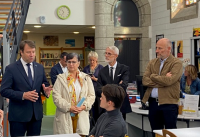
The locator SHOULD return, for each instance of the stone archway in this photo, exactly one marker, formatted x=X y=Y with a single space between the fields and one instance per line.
x=105 y=31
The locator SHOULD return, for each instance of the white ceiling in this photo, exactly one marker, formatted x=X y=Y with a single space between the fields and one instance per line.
x=60 y=29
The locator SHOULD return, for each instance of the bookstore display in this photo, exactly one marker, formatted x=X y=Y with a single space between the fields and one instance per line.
x=49 y=57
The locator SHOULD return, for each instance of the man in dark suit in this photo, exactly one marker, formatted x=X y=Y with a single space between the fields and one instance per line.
x=59 y=68
x=117 y=73
x=22 y=83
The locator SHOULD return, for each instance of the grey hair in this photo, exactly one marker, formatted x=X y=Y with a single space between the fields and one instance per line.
x=92 y=54
x=115 y=49
x=72 y=55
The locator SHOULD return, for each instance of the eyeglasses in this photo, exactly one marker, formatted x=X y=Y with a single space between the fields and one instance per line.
x=73 y=62
x=109 y=54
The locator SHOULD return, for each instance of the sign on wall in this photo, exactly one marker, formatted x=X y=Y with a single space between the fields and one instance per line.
x=50 y=40
x=159 y=37
x=196 y=32
x=89 y=43
x=180 y=49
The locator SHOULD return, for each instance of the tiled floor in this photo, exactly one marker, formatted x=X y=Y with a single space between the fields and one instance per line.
x=47 y=125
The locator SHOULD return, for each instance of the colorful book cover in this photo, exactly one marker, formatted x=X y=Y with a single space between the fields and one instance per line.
x=199 y=64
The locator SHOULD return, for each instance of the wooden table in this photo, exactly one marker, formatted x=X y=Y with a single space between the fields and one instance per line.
x=60 y=135
x=181 y=132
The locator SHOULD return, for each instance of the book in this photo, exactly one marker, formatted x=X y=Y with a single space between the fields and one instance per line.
x=78 y=105
x=199 y=64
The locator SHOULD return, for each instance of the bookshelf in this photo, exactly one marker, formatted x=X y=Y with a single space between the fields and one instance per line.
x=48 y=57
x=195 y=52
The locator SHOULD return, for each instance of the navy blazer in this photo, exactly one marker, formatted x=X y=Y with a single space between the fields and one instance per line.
x=121 y=73
x=14 y=83
x=55 y=70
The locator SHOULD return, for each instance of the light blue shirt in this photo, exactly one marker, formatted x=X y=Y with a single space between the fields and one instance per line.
x=154 y=93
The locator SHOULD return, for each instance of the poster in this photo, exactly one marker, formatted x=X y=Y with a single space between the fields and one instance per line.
x=50 y=40
x=173 y=48
x=89 y=43
x=70 y=42
x=159 y=37
x=180 y=49
x=196 y=32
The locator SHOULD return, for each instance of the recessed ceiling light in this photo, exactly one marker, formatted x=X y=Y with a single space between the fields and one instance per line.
x=37 y=26
x=93 y=27
x=76 y=32
x=26 y=31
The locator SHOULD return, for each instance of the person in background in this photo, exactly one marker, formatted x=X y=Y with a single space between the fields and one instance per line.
x=22 y=83
x=1 y=126
x=114 y=73
x=162 y=77
x=190 y=83
x=59 y=68
x=93 y=70
x=111 y=123
x=69 y=88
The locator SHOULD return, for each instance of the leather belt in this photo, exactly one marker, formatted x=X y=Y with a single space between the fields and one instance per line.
x=153 y=99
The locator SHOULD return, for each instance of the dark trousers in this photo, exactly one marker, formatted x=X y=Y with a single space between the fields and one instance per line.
x=31 y=128
x=162 y=116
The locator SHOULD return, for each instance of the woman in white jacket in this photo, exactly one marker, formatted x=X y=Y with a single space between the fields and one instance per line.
x=68 y=90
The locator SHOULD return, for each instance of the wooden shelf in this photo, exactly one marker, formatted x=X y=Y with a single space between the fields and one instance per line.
x=48 y=67
x=49 y=58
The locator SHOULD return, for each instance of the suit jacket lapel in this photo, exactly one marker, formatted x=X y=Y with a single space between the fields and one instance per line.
x=107 y=73
x=59 y=68
x=35 y=74
x=22 y=71
x=117 y=71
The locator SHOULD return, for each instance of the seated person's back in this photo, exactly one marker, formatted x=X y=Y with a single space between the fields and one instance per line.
x=111 y=123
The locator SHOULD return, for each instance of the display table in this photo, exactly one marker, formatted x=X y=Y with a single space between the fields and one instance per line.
x=181 y=132
x=138 y=122
x=60 y=135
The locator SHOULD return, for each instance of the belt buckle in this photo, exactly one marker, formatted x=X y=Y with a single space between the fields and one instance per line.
x=156 y=99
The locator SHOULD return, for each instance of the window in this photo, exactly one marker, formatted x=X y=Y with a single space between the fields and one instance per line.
x=182 y=10
x=190 y=2
x=126 y=14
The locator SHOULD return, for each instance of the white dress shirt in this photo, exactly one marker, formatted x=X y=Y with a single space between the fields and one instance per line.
x=64 y=69
x=77 y=87
x=154 y=93
x=26 y=67
x=114 y=68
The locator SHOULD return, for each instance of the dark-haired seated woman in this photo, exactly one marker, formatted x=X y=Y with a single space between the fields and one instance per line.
x=190 y=83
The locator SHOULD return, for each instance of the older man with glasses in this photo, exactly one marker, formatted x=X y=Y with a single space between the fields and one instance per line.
x=117 y=73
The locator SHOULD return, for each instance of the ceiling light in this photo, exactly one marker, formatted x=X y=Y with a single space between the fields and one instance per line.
x=93 y=27
x=37 y=26
x=76 y=32
x=26 y=31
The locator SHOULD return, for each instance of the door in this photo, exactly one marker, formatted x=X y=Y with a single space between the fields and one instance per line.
x=129 y=54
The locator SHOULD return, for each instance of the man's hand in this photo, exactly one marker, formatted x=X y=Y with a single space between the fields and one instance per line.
x=31 y=95
x=47 y=90
x=91 y=136
x=93 y=78
x=121 y=82
x=169 y=74
x=1 y=116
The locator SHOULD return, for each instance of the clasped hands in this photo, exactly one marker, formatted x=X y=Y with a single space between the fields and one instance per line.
x=76 y=110
x=33 y=95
